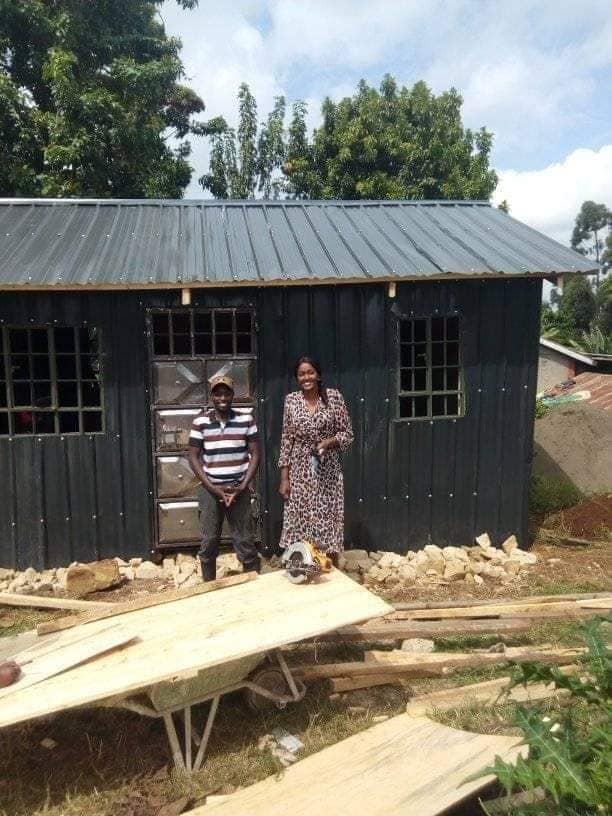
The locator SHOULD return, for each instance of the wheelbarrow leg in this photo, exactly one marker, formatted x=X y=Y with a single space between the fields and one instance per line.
x=206 y=735
x=187 y=715
x=287 y=675
x=177 y=754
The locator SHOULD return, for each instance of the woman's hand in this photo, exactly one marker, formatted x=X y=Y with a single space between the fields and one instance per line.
x=284 y=488
x=326 y=445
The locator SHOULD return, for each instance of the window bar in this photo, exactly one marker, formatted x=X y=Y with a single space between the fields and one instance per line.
x=53 y=375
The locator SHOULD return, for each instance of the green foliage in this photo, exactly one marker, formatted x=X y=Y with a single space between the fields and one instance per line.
x=541 y=409
x=606 y=258
x=89 y=97
x=576 y=306
x=393 y=143
x=571 y=758
x=242 y=163
x=594 y=341
x=591 y=219
x=603 y=300
x=547 y=495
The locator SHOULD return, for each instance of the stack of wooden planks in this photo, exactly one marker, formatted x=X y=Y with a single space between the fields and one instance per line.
x=461 y=618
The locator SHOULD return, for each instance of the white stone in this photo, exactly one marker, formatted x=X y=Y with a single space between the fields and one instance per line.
x=407 y=574
x=389 y=559
x=135 y=562
x=525 y=557
x=435 y=557
x=191 y=581
x=509 y=544
x=120 y=562
x=490 y=553
x=186 y=567
x=382 y=574
x=48 y=574
x=417 y=645
x=4 y=585
x=476 y=567
x=478 y=579
x=552 y=561
x=18 y=581
x=168 y=566
x=185 y=558
x=364 y=564
x=127 y=572
x=60 y=576
x=31 y=574
x=6 y=574
x=376 y=556
x=484 y=541
x=43 y=586
x=148 y=570
x=505 y=578
x=392 y=579
x=341 y=561
x=455 y=554
x=512 y=566
x=492 y=571
x=352 y=556
x=454 y=571
x=469 y=578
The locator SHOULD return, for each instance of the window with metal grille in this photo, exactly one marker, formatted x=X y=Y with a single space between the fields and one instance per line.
x=429 y=368
x=50 y=380
x=202 y=332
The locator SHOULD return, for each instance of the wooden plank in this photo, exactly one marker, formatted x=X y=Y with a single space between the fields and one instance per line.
x=513 y=610
x=58 y=660
x=596 y=604
x=340 y=684
x=144 y=603
x=401 y=630
x=431 y=665
x=43 y=602
x=532 y=599
x=198 y=633
x=404 y=765
x=486 y=693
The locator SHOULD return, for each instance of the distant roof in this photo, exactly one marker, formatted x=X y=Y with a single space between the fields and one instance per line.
x=587 y=359
x=112 y=243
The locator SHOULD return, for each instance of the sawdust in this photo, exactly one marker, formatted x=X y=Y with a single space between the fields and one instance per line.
x=573 y=443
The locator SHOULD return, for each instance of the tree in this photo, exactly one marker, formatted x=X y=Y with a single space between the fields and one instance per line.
x=241 y=163
x=576 y=306
x=591 y=219
x=391 y=143
x=504 y=206
x=90 y=100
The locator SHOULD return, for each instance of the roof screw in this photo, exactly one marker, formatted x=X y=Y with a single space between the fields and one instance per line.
x=13 y=523
x=362 y=399
x=429 y=495
x=384 y=498
x=94 y=516
x=406 y=497
x=42 y=521
x=67 y=518
x=360 y=501
x=387 y=399
x=475 y=493
x=451 y=495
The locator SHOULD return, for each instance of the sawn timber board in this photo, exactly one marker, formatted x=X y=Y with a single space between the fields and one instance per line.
x=407 y=766
x=186 y=636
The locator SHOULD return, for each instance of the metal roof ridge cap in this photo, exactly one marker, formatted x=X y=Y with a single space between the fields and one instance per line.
x=206 y=202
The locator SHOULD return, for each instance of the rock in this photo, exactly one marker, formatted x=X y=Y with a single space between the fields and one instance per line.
x=552 y=561
x=168 y=567
x=417 y=645
x=364 y=564
x=129 y=573
x=191 y=581
x=82 y=579
x=390 y=559
x=382 y=574
x=43 y=586
x=30 y=574
x=4 y=585
x=18 y=581
x=525 y=557
x=478 y=579
x=509 y=544
x=185 y=558
x=454 y=571
x=455 y=554
x=135 y=562
x=60 y=575
x=512 y=566
x=6 y=574
x=484 y=541
x=352 y=556
x=48 y=575
x=376 y=556
x=492 y=571
x=120 y=562
x=469 y=578
x=392 y=579
x=148 y=570
x=505 y=578
x=407 y=574
x=48 y=743
x=435 y=557
x=186 y=567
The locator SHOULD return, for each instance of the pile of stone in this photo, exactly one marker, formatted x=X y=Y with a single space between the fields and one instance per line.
x=438 y=565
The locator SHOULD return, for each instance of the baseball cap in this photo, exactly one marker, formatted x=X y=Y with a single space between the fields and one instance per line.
x=221 y=380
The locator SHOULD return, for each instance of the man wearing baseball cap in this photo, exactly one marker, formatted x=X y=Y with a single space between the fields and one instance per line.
x=224 y=455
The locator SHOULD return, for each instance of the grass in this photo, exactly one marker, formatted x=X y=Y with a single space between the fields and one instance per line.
x=547 y=495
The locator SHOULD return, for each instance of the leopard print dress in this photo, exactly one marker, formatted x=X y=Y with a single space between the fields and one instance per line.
x=315 y=509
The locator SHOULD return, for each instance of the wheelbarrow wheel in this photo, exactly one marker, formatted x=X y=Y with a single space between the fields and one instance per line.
x=272 y=680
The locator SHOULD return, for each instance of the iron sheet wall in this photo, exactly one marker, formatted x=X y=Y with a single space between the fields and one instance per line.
x=407 y=483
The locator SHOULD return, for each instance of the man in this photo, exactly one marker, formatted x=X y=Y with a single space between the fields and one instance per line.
x=224 y=455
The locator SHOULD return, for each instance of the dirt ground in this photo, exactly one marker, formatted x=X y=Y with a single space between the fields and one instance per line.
x=591 y=519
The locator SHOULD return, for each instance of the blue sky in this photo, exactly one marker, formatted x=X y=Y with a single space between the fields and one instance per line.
x=537 y=74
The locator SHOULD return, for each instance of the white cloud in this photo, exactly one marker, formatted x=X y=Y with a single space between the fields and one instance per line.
x=550 y=199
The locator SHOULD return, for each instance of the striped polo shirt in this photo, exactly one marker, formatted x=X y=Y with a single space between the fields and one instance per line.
x=224 y=447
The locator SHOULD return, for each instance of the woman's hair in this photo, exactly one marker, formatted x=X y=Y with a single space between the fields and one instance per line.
x=322 y=389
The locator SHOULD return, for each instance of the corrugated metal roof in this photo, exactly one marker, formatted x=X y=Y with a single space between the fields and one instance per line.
x=126 y=243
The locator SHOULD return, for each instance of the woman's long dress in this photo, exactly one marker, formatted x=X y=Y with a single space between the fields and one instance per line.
x=315 y=509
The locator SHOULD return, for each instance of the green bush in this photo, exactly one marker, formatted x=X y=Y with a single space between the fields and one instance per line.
x=548 y=495
x=570 y=751
x=541 y=409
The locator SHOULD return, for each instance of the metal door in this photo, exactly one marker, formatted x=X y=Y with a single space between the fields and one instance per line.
x=188 y=346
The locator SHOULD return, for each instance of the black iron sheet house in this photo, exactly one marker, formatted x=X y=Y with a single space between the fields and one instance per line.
x=114 y=315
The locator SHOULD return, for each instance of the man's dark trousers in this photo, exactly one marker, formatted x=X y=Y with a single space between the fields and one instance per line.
x=240 y=520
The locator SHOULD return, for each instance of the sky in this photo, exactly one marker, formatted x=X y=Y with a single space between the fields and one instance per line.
x=537 y=73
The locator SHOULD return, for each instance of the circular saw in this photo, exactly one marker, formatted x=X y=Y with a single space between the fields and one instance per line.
x=305 y=562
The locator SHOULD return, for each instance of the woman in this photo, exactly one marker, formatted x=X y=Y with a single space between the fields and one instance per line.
x=316 y=427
